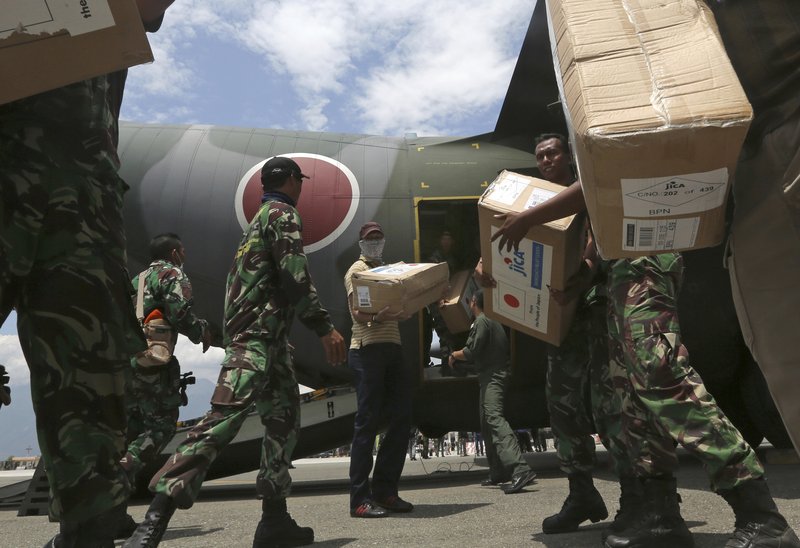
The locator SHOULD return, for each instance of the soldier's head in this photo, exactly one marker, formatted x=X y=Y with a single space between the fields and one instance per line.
x=371 y=240
x=284 y=175
x=167 y=247
x=446 y=241
x=553 y=157
x=476 y=302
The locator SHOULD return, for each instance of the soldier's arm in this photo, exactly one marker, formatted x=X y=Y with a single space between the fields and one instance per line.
x=178 y=304
x=477 y=341
x=292 y=263
x=516 y=225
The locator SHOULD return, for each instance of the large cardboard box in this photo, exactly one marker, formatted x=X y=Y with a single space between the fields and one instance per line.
x=455 y=310
x=547 y=257
x=45 y=44
x=657 y=118
x=400 y=286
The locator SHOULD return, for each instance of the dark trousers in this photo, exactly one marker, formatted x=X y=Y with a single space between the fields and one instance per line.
x=383 y=394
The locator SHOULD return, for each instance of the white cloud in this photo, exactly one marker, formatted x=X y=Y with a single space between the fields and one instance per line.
x=191 y=356
x=380 y=67
x=11 y=356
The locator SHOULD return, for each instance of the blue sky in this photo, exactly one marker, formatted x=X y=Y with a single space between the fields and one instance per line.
x=433 y=67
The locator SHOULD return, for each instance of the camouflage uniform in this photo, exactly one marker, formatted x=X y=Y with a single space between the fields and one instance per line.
x=268 y=283
x=581 y=395
x=154 y=392
x=667 y=399
x=62 y=265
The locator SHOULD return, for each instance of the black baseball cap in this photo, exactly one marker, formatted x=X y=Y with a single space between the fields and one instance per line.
x=279 y=167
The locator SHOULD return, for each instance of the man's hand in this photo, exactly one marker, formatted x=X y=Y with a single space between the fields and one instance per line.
x=334 y=347
x=483 y=279
x=514 y=228
x=385 y=316
x=5 y=391
x=206 y=339
x=576 y=285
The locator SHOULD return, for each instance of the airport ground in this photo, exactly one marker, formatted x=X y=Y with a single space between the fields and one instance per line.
x=452 y=509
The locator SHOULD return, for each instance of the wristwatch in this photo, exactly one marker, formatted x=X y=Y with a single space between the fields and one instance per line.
x=370 y=322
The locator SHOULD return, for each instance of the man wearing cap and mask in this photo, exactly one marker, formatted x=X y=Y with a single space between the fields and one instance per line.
x=268 y=283
x=383 y=390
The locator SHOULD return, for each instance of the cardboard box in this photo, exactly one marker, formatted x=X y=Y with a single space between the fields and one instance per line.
x=548 y=256
x=46 y=44
x=455 y=311
x=657 y=118
x=400 y=286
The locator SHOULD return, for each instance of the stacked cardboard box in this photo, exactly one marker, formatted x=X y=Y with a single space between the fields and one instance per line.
x=406 y=287
x=657 y=119
x=45 y=45
x=547 y=257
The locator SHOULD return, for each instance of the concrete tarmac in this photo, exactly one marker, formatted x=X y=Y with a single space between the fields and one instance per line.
x=452 y=509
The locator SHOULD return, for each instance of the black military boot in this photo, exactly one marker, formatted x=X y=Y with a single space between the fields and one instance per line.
x=660 y=525
x=631 y=505
x=148 y=534
x=96 y=532
x=278 y=529
x=583 y=502
x=758 y=522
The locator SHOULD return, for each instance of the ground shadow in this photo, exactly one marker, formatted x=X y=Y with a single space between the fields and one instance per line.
x=335 y=542
x=426 y=511
x=174 y=533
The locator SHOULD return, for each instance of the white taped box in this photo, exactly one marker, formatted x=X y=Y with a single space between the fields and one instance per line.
x=657 y=118
x=546 y=257
x=406 y=287
x=46 y=44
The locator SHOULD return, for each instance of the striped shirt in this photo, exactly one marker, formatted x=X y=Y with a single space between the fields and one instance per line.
x=377 y=332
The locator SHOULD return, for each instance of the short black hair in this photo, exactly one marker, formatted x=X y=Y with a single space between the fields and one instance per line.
x=161 y=246
x=546 y=136
x=478 y=296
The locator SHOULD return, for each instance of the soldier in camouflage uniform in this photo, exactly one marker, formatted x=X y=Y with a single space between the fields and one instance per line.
x=664 y=399
x=62 y=266
x=154 y=392
x=268 y=283
x=582 y=397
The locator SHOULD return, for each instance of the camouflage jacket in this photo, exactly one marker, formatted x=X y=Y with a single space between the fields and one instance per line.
x=167 y=288
x=269 y=281
x=73 y=127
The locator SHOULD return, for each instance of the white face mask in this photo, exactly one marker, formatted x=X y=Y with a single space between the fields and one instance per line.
x=372 y=249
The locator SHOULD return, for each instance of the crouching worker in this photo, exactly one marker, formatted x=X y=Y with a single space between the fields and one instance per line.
x=487 y=347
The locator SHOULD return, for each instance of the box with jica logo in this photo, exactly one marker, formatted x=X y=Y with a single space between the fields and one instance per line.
x=547 y=257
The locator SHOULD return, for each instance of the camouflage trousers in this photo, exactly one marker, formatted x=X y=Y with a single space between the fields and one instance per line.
x=154 y=402
x=62 y=266
x=262 y=378
x=582 y=397
x=667 y=400
x=502 y=448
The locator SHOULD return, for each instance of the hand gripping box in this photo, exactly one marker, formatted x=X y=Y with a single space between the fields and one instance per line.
x=46 y=44
x=455 y=310
x=548 y=256
x=400 y=286
x=657 y=118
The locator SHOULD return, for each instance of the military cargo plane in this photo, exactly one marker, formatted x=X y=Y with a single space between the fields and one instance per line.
x=203 y=183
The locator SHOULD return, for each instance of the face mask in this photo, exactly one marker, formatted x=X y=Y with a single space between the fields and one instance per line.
x=372 y=249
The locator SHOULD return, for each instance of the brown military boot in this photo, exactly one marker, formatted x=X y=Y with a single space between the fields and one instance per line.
x=583 y=503
x=631 y=505
x=660 y=525
x=758 y=522
x=278 y=529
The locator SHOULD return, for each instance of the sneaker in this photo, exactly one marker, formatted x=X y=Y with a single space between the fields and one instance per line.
x=368 y=509
x=394 y=503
